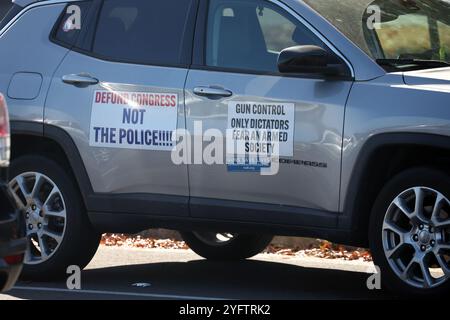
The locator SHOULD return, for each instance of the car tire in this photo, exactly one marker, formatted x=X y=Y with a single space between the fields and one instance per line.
x=61 y=215
x=226 y=246
x=407 y=236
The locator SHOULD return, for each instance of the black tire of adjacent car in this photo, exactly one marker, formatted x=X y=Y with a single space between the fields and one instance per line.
x=242 y=246
x=80 y=241
x=423 y=177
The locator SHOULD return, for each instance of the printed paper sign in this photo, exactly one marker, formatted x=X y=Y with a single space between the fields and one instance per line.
x=260 y=125
x=133 y=120
x=247 y=164
x=257 y=131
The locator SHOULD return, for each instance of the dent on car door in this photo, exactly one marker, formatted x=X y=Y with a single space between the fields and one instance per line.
x=243 y=40
x=121 y=100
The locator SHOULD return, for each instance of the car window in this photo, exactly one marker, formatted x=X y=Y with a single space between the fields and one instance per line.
x=444 y=37
x=68 y=27
x=147 y=32
x=277 y=30
x=393 y=39
x=5 y=6
x=8 y=10
x=249 y=34
x=414 y=36
x=392 y=29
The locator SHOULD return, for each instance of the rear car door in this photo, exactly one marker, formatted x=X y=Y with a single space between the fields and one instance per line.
x=233 y=78
x=119 y=95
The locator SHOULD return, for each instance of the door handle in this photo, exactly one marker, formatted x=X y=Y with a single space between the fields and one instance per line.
x=212 y=92
x=79 y=79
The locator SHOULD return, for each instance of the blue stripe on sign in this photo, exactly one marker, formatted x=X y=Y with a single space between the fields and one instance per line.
x=246 y=168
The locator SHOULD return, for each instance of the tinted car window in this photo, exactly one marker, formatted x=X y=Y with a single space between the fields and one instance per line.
x=5 y=5
x=70 y=25
x=8 y=10
x=249 y=34
x=147 y=32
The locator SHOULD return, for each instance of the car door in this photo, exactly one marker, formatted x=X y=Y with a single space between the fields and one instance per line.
x=236 y=69
x=119 y=95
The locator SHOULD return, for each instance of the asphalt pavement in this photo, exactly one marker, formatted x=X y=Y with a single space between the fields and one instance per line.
x=124 y=273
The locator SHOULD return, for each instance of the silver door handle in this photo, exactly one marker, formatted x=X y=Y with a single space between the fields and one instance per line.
x=79 y=79
x=212 y=92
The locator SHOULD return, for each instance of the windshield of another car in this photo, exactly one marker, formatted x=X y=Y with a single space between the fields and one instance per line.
x=393 y=30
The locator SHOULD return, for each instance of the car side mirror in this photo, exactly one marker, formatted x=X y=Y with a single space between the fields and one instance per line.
x=311 y=60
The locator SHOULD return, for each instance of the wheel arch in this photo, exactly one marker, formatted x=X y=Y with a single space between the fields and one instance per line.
x=31 y=137
x=382 y=157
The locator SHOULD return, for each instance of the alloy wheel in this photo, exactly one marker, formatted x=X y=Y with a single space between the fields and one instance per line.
x=43 y=204
x=416 y=237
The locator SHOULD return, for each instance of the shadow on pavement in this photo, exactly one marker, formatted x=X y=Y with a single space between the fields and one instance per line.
x=235 y=280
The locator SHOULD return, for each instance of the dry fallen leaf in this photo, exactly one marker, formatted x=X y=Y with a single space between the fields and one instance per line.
x=325 y=250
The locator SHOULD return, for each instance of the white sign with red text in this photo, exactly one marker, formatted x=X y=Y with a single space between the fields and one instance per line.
x=133 y=120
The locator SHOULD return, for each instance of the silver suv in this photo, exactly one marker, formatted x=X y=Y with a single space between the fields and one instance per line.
x=354 y=98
